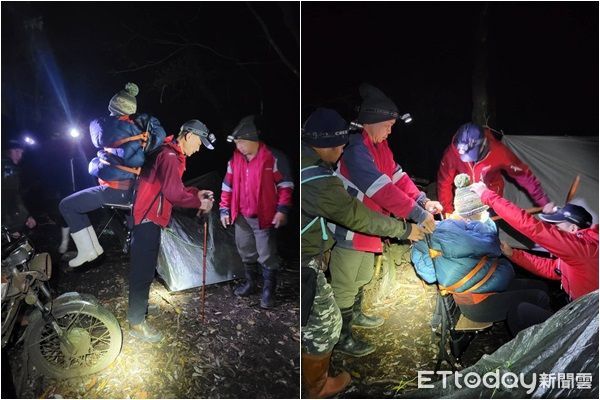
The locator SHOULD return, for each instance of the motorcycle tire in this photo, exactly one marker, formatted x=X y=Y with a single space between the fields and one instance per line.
x=94 y=334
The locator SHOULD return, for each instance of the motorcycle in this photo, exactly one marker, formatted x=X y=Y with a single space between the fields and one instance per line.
x=69 y=336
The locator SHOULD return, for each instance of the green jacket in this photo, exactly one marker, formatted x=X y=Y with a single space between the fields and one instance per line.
x=324 y=195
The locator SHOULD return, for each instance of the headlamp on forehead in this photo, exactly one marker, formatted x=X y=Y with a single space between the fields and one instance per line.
x=465 y=146
x=198 y=128
x=245 y=136
x=211 y=138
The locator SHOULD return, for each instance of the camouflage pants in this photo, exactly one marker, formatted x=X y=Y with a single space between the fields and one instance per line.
x=322 y=331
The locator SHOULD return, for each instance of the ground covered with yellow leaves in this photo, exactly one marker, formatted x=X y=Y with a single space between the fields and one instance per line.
x=405 y=343
x=237 y=351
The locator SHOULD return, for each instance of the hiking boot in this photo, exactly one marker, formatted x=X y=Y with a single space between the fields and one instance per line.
x=249 y=287
x=360 y=320
x=348 y=344
x=145 y=332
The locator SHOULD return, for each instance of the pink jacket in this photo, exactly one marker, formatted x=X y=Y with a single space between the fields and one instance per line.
x=272 y=191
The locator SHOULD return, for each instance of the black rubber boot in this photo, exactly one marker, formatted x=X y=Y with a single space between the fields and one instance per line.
x=269 y=287
x=361 y=320
x=249 y=287
x=348 y=344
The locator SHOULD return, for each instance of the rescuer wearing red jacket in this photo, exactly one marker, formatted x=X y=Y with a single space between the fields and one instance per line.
x=256 y=196
x=476 y=152
x=370 y=174
x=160 y=188
x=569 y=236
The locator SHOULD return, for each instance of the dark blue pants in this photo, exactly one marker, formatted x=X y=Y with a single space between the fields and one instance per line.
x=504 y=305
x=145 y=243
x=74 y=208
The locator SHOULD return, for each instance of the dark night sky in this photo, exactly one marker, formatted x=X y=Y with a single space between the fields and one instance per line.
x=543 y=74
x=225 y=70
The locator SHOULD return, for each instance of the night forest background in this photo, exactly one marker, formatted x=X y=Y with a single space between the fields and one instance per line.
x=524 y=68
x=216 y=62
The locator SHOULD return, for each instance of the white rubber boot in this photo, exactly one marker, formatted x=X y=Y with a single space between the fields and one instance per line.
x=95 y=242
x=64 y=244
x=85 y=248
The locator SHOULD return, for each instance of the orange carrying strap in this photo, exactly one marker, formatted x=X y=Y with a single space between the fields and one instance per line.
x=143 y=137
x=451 y=289
x=136 y=171
x=121 y=185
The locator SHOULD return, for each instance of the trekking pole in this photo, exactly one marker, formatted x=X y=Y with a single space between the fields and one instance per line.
x=204 y=251
x=204 y=218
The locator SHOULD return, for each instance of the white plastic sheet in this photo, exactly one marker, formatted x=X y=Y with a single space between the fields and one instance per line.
x=180 y=262
x=556 y=161
x=564 y=348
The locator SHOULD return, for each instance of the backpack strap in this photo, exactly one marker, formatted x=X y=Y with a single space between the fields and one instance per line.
x=143 y=137
x=452 y=288
x=136 y=171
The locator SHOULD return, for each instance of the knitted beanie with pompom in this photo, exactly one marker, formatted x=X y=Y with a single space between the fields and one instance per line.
x=124 y=102
x=466 y=202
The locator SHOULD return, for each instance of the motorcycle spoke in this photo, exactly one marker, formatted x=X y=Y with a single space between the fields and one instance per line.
x=90 y=341
x=43 y=339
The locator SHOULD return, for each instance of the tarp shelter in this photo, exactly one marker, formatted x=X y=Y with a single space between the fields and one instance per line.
x=181 y=249
x=556 y=161
x=560 y=356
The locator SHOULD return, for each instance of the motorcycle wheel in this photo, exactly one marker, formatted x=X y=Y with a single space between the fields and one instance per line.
x=92 y=330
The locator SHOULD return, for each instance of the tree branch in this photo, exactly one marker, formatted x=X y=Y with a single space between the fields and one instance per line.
x=272 y=42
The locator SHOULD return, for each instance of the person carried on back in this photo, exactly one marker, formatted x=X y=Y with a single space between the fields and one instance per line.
x=124 y=138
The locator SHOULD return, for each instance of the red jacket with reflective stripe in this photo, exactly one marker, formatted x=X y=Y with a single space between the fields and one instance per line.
x=577 y=253
x=489 y=170
x=370 y=173
x=160 y=187
x=268 y=180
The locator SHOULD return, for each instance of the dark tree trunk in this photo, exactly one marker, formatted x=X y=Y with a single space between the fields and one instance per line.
x=482 y=113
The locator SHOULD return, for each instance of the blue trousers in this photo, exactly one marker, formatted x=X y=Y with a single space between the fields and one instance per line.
x=145 y=243
x=75 y=207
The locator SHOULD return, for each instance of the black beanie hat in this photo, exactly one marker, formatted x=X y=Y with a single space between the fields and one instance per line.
x=13 y=143
x=376 y=106
x=325 y=128
x=245 y=130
